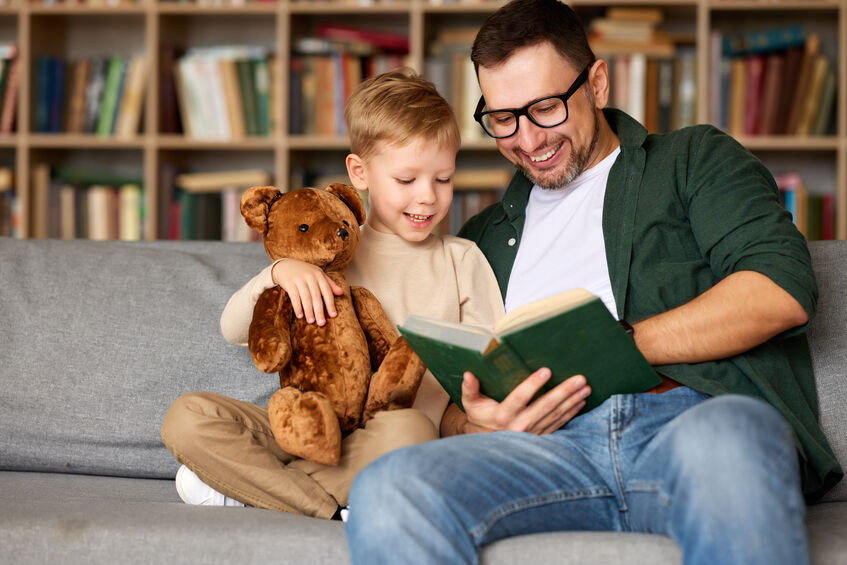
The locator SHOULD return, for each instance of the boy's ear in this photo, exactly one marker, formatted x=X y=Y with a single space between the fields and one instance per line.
x=356 y=171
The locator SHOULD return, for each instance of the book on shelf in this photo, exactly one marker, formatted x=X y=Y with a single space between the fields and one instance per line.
x=11 y=83
x=93 y=95
x=778 y=84
x=207 y=206
x=8 y=203
x=571 y=333
x=449 y=68
x=131 y=103
x=325 y=69
x=630 y=29
x=223 y=92
x=216 y=181
x=660 y=92
x=72 y=204
x=813 y=213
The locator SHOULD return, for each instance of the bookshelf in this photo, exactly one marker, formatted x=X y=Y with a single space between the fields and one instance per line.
x=156 y=153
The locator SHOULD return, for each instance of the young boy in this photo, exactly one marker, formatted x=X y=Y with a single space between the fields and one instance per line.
x=404 y=139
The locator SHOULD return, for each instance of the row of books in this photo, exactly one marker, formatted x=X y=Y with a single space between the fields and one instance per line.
x=661 y=93
x=451 y=71
x=226 y=92
x=97 y=95
x=772 y=82
x=66 y=205
x=9 y=86
x=813 y=213
x=327 y=67
x=206 y=206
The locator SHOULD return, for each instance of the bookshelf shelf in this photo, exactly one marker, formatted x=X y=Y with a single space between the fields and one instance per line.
x=181 y=142
x=785 y=142
x=164 y=31
x=78 y=141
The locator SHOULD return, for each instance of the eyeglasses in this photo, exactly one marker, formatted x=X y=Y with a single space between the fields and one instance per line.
x=546 y=112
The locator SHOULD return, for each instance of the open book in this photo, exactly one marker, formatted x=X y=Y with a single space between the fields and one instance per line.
x=572 y=333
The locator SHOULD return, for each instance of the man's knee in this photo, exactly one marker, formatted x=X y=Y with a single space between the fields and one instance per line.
x=733 y=436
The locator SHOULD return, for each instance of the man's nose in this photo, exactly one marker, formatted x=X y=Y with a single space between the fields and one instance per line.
x=529 y=135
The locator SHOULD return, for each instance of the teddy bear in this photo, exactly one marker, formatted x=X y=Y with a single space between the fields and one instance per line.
x=333 y=378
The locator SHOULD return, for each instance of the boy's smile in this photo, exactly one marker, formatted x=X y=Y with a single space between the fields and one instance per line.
x=410 y=186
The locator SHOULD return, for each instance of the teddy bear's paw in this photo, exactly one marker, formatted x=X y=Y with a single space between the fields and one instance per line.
x=396 y=383
x=304 y=424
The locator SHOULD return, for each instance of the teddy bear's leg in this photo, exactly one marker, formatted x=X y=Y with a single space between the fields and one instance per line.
x=269 y=337
x=304 y=424
x=396 y=382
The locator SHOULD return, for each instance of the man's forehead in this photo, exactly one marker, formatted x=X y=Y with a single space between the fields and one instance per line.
x=529 y=74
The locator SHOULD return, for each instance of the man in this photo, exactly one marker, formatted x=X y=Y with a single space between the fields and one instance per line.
x=683 y=236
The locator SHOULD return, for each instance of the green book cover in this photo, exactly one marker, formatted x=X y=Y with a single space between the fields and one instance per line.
x=247 y=86
x=262 y=84
x=111 y=93
x=572 y=333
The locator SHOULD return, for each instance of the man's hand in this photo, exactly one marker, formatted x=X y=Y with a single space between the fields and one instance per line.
x=308 y=288
x=546 y=414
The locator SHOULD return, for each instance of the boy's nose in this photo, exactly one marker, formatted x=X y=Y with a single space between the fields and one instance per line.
x=427 y=194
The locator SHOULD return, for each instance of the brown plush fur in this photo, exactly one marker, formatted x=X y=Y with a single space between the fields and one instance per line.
x=327 y=389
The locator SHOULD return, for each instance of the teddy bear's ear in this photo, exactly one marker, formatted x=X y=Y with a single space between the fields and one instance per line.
x=256 y=205
x=350 y=197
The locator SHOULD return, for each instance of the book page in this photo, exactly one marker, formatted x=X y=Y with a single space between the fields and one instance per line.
x=462 y=335
x=531 y=313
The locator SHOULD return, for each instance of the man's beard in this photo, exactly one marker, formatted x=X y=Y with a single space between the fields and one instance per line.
x=579 y=160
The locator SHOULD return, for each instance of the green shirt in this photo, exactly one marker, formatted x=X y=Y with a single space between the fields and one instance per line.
x=682 y=211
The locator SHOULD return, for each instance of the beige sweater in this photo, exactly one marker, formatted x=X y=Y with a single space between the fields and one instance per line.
x=441 y=277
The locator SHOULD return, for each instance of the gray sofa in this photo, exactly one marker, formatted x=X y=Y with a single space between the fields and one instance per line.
x=97 y=339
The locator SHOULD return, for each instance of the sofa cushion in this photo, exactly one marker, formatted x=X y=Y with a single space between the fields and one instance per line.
x=828 y=343
x=99 y=338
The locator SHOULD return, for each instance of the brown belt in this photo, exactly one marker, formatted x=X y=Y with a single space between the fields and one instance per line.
x=664 y=386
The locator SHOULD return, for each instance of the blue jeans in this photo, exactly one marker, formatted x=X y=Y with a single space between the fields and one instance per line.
x=718 y=475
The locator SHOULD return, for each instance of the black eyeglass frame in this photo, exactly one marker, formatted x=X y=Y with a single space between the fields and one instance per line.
x=524 y=111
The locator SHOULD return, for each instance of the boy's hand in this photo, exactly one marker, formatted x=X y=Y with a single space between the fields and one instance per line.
x=308 y=288
x=546 y=414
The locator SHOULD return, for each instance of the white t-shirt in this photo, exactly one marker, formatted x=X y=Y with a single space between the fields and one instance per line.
x=562 y=243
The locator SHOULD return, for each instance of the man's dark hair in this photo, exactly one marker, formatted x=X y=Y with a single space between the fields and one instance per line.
x=523 y=23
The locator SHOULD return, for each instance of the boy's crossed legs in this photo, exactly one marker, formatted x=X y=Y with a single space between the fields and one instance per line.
x=229 y=445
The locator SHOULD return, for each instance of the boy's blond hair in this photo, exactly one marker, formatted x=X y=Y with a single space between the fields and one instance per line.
x=397 y=107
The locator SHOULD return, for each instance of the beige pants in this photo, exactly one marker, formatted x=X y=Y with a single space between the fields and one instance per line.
x=228 y=443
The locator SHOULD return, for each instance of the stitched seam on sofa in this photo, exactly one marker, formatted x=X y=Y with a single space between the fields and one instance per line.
x=478 y=532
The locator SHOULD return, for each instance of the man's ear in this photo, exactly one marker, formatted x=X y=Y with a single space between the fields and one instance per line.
x=351 y=198
x=256 y=205
x=598 y=82
x=356 y=171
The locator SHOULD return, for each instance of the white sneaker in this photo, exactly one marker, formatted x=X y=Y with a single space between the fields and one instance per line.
x=344 y=513
x=194 y=491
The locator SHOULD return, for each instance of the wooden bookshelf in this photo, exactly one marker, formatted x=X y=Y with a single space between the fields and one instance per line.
x=74 y=30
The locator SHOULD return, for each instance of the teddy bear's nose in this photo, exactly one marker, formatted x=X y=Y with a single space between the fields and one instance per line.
x=342 y=233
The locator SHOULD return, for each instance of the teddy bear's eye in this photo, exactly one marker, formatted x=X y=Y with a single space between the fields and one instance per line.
x=304 y=227
x=346 y=223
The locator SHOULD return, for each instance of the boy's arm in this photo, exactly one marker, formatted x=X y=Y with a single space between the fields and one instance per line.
x=238 y=312
x=480 y=302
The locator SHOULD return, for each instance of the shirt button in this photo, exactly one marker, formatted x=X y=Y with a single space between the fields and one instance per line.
x=512 y=241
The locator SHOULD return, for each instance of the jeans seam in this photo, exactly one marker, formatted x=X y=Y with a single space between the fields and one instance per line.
x=479 y=531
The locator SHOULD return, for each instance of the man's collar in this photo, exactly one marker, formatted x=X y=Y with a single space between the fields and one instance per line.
x=629 y=131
